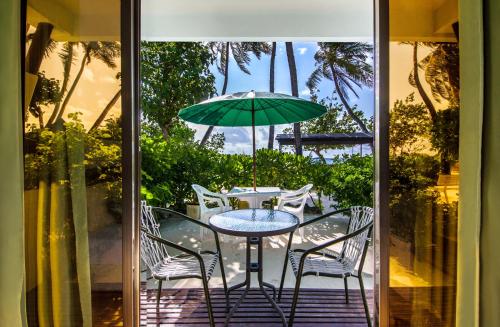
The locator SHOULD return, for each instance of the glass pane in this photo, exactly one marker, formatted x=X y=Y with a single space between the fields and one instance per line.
x=424 y=167
x=183 y=173
x=72 y=151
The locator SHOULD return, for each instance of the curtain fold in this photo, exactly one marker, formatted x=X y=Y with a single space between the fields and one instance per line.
x=63 y=276
x=490 y=220
x=478 y=293
x=471 y=107
x=12 y=274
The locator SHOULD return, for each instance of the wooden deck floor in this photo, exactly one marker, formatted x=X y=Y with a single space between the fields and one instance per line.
x=317 y=307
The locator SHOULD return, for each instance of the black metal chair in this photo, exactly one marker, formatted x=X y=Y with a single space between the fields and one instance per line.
x=188 y=264
x=321 y=261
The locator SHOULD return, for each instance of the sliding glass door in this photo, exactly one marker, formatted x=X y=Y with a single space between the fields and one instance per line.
x=424 y=171
x=73 y=135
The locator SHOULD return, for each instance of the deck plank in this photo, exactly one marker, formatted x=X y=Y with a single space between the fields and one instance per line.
x=317 y=307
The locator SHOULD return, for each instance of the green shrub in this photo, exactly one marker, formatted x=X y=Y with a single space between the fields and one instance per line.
x=170 y=168
x=412 y=196
x=351 y=181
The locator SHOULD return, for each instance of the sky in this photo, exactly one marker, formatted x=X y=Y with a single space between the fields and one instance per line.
x=238 y=139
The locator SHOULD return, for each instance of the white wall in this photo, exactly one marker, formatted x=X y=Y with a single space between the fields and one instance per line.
x=256 y=20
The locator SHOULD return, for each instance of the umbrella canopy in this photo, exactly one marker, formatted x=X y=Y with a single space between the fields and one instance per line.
x=252 y=109
x=236 y=110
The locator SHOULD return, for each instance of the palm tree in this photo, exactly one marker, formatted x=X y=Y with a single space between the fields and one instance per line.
x=414 y=80
x=345 y=64
x=295 y=92
x=240 y=52
x=107 y=52
x=67 y=56
x=270 y=142
x=441 y=68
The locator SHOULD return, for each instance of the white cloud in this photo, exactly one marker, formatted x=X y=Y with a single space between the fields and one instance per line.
x=302 y=51
x=88 y=74
x=305 y=92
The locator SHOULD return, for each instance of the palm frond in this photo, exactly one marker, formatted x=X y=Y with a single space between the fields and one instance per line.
x=314 y=79
x=51 y=46
x=240 y=56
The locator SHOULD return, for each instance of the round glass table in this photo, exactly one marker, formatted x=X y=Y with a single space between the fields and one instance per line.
x=254 y=224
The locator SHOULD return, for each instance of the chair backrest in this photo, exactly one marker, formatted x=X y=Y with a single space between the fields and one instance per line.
x=354 y=247
x=205 y=196
x=202 y=194
x=295 y=196
x=152 y=252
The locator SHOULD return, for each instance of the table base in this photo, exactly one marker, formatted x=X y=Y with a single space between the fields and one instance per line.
x=255 y=267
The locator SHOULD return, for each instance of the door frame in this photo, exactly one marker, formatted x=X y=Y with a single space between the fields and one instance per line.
x=131 y=168
x=131 y=38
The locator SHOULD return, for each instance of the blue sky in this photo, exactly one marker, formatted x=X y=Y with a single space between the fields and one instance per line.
x=238 y=140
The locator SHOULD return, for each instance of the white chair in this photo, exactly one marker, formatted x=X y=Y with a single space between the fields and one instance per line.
x=186 y=264
x=321 y=261
x=294 y=203
x=210 y=203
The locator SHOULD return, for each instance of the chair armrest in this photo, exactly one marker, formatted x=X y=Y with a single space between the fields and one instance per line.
x=293 y=198
x=315 y=220
x=221 y=199
x=338 y=240
x=215 y=195
x=197 y=222
x=183 y=216
x=171 y=244
x=326 y=215
x=316 y=249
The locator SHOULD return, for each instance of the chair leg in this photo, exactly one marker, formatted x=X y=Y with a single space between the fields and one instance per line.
x=283 y=274
x=294 y=300
x=209 y=303
x=301 y=230
x=221 y=264
x=158 y=294
x=365 y=303
x=346 y=289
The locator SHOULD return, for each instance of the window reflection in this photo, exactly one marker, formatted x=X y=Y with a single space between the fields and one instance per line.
x=424 y=174
x=72 y=149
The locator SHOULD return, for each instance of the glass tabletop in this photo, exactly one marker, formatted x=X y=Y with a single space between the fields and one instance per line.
x=254 y=222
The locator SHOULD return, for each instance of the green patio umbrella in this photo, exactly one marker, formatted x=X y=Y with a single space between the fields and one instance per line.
x=252 y=109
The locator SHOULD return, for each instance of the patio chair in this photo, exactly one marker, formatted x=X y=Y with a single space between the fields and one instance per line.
x=294 y=203
x=211 y=203
x=187 y=264
x=321 y=261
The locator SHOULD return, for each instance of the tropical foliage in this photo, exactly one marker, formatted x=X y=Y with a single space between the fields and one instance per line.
x=346 y=65
x=409 y=126
x=169 y=169
x=173 y=75
x=240 y=53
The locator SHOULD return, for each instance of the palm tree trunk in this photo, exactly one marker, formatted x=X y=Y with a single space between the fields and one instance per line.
x=421 y=91
x=67 y=73
x=295 y=92
x=270 y=142
x=106 y=110
x=39 y=43
x=226 y=69
x=224 y=89
x=348 y=108
x=75 y=83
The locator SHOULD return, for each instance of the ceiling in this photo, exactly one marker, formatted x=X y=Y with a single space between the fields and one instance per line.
x=313 y=20
x=257 y=19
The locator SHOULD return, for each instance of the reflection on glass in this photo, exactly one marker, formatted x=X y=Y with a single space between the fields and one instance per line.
x=424 y=172
x=73 y=166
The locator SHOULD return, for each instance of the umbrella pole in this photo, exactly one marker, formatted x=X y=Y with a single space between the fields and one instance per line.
x=253 y=140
